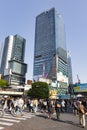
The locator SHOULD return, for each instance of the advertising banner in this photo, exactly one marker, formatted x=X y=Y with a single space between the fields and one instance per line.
x=80 y=87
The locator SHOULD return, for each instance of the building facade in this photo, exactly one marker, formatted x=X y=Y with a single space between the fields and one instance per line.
x=50 y=54
x=1 y=52
x=70 y=77
x=13 y=67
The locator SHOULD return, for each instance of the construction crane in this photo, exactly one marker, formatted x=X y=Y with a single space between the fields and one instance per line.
x=78 y=79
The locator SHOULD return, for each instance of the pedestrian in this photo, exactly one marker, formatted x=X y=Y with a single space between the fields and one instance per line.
x=63 y=105
x=19 y=103
x=50 y=109
x=28 y=104
x=31 y=106
x=44 y=105
x=57 y=108
x=35 y=103
x=82 y=111
x=75 y=107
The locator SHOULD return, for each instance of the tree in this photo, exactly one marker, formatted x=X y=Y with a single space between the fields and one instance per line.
x=3 y=84
x=39 y=90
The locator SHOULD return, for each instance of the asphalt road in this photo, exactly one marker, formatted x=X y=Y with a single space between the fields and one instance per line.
x=67 y=121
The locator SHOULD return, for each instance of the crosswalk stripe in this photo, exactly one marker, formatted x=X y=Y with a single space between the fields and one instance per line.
x=17 y=118
x=1 y=128
x=5 y=123
x=5 y=119
x=24 y=116
x=27 y=114
x=9 y=120
x=27 y=117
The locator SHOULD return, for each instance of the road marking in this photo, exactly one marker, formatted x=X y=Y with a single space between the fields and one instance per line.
x=17 y=118
x=5 y=119
x=5 y=123
x=9 y=120
x=27 y=117
x=1 y=128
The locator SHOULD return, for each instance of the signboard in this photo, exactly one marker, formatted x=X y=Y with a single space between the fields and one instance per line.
x=53 y=84
x=53 y=94
x=64 y=96
x=45 y=80
x=62 y=91
x=80 y=87
x=62 y=78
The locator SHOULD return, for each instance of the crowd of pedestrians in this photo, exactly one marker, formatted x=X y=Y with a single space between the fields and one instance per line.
x=47 y=106
x=58 y=106
x=11 y=103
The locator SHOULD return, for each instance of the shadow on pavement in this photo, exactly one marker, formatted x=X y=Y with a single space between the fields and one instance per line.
x=59 y=120
x=68 y=122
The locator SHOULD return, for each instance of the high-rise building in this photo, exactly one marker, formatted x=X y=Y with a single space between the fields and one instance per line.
x=1 y=52
x=50 y=53
x=13 y=67
x=70 y=77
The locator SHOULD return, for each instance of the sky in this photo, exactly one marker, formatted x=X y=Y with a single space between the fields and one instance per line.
x=18 y=17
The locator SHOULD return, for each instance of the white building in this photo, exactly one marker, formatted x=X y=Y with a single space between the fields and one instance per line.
x=70 y=78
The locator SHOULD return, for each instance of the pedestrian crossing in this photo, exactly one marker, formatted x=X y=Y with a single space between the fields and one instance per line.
x=9 y=120
x=1 y=128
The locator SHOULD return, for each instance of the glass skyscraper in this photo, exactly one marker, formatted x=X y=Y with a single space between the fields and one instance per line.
x=70 y=77
x=1 y=52
x=50 y=54
x=13 y=68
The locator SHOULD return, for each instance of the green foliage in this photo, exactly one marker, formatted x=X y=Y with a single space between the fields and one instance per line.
x=39 y=90
x=3 y=83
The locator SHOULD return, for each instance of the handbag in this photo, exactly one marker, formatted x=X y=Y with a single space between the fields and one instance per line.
x=82 y=111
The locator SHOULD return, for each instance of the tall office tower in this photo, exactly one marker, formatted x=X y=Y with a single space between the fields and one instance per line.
x=50 y=54
x=13 y=67
x=70 y=78
x=1 y=52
